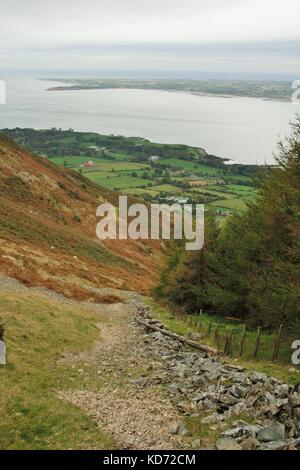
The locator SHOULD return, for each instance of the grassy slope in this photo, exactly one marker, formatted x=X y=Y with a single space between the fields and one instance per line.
x=47 y=230
x=38 y=331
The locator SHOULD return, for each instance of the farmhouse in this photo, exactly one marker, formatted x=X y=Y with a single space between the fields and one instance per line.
x=89 y=164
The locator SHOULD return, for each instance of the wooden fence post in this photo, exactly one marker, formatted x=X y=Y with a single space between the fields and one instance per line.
x=255 y=352
x=243 y=341
x=200 y=320
x=229 y=343
x=277 y=344
x=225 y=345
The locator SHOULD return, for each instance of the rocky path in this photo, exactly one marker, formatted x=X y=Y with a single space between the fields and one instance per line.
x=129 y=404
x=164 y=382
x=219 y=394
x=153 y=392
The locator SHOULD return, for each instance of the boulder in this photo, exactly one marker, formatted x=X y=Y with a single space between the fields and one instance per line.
x=273 y=432
x=294 y=400
x=196 y=444
x=250 y=444
x=228 y=444
x=259 y=377
x=275 y=445
x=238 y=391
x=233 y=433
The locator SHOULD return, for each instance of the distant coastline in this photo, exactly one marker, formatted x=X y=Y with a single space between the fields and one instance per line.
x=266 y=90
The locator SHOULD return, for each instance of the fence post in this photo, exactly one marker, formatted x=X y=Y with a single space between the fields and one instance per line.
x=225 y=345
x=277 y=344
x=229 y=343
x=257 y=342
x=243 y=341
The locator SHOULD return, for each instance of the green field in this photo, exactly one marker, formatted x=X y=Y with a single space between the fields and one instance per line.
x=117 y=166
x=142 y=180
x=233 y=204
x=193 y=166
x=125 y=164
x=116 y=182
x=142 y=191
x=167 y=188
x=218 y=194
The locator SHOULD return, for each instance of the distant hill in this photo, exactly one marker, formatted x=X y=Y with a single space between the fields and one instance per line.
x=47 y=230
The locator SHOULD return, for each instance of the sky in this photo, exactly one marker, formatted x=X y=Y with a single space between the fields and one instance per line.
x=205 y=38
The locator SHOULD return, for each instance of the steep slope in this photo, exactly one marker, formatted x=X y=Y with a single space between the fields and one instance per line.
x=47 y=230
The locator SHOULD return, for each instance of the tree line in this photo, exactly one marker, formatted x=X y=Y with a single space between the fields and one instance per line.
x=250 y=268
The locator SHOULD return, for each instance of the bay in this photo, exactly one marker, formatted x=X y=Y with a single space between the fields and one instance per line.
x=243 y=129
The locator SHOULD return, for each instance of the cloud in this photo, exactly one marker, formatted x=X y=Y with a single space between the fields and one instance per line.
x=93 y=30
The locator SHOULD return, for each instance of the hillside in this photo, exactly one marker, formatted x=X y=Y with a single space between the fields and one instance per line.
x=154 y=172
x=109 y=374
x=47 y=230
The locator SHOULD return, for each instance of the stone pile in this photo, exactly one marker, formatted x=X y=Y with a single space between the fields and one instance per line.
x=208 y=387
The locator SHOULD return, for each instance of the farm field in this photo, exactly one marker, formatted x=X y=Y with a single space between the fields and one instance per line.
x=118 y=182
x=192 y=166
x=145 y=169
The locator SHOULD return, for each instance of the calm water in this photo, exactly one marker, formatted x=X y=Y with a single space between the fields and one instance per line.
x=243 y=129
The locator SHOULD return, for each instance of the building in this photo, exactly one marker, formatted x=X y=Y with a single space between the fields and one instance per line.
x=154 y=158
x=89 y=164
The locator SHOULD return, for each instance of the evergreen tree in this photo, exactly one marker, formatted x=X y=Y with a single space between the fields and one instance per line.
x=251 y=269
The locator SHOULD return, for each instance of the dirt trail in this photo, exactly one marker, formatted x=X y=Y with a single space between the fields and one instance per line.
x=138 y=385
x=137 y=417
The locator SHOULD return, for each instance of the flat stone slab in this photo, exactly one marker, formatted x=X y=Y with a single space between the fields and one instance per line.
x=228 y=444
x=2 y=353
x=273 y=432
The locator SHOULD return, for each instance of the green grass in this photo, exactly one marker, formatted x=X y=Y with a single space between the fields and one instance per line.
x=116 y=166
x=203 y=190
x=38 y=331
x=239 y=188
x=231 y=204
x=283 y=368
x=193 y=166
x=101 y=163
x=117 y=175
x=167 y=188
x=116 y=182
x=141 y=191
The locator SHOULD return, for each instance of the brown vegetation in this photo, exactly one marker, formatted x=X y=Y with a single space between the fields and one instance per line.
x=47 y=230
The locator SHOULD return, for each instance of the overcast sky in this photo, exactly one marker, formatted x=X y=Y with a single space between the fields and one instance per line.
x=229 y=37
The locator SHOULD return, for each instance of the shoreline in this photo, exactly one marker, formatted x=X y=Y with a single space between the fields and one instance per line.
x=194 y=93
